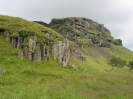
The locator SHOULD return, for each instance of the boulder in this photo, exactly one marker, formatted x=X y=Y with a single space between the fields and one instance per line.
x=2 y=71
x=118 y=41
x=75 y=67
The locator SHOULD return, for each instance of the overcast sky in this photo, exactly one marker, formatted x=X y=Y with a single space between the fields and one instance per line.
x=116 y=15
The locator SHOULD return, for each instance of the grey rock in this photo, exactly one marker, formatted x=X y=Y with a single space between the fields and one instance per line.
x=62 y=52
x=32 y=44
x=74 y=28
x=118 y=41
x=78 y=55
x=14 y=42
x=7 y=35
x=21 y=55
x=75 y=67
x=26 y=50
x=2 y=71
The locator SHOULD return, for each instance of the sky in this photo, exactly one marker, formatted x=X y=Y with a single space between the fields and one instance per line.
x=116 y=15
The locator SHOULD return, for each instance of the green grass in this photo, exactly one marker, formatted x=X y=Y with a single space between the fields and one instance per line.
x=84 y=42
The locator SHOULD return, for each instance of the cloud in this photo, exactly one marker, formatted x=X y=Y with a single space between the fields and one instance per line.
x=116 y=15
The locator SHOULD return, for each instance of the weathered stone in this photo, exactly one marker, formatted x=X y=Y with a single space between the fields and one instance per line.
x=62 y=52
x=38 y=56
x=75 y=67
x=14 y=42
x=2 y=71
x=20 y=55
x=26 y=50
x=104 y=43
x=32 y=43
x=118 y=41
x=78 y=55
x=38 y=52
x=66 y=52
x=31 y=56
x=55 y=51
x=7 y=35
x=74 y=28
x=42 y=49
x=20 y=41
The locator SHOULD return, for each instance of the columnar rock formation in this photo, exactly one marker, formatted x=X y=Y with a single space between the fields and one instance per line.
x=61 y=51
x=36 y=51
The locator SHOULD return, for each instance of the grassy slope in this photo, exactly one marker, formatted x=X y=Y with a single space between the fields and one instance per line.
x=49 y=80
x=16 y=25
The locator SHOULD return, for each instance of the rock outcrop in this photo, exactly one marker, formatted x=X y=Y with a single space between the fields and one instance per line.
x=79 y=30
x=63 y=51
x=118 y=41
x=36 y=51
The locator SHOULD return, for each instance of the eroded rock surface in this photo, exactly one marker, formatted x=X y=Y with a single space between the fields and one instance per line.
x=36 y=51
x=83 y=31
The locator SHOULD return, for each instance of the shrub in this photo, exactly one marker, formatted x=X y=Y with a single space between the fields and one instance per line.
x=130 y=64
x=116 y=62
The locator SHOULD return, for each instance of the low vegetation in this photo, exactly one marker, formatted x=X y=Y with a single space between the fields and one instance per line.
x=116 y=62
x=130 y=64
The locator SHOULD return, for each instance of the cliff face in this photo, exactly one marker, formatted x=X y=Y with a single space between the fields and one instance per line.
x=84 y=32
x=62 y=51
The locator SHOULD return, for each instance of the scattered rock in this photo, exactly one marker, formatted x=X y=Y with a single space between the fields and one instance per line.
x=118 y=41
x=2 y=71
x=20 y=55
x=75 y=67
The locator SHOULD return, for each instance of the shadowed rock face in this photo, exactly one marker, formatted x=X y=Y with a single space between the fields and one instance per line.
x=118 y=41
x=80 y=29
x=63 y=52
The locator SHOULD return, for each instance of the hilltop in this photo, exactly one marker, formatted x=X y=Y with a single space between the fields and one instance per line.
x=65 y=60
x=83 y=31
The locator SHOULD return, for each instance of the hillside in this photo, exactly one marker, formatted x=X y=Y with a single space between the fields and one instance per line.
x=90 y=78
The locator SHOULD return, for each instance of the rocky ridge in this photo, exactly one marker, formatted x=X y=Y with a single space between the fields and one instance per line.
x=84 y=32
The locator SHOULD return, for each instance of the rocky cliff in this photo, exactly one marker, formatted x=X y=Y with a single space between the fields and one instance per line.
x=84 y=32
